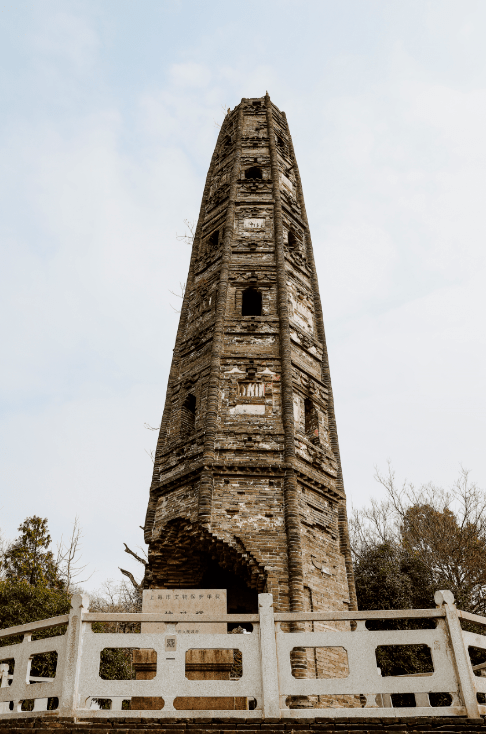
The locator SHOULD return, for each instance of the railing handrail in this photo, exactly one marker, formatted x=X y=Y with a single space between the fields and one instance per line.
x=41 y=624
x=166 y=618
x=329 y=616
x=472 y=617
x=366 y=614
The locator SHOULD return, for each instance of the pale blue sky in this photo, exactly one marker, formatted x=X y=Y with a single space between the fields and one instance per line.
x=108 y=119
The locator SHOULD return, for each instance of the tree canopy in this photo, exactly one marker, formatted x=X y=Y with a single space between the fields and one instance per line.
x=389 y=576
x=408 y=545
x=28 y=558
x=21 y=602
x=32 y=588
x=420 y=539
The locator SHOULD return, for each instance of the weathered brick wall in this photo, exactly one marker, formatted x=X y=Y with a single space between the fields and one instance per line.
x=258 y=465
x=179 y=502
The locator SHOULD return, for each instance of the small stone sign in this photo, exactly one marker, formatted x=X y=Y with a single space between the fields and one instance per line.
x=254 y=224
x=170 y=644
x=184 y=601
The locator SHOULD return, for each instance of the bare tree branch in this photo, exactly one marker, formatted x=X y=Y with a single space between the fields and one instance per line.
x=119 y=597
x=69 y=557
x=182 y=287
x=188 y=237
x=130 y=552
x=151 y=454
x=132 y=579
x=226 y=112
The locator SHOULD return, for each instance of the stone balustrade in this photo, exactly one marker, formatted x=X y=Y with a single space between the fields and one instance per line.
x=265 y=684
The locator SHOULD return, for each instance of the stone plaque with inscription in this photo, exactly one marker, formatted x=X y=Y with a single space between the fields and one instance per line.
x=254 y=223
x=185 y=601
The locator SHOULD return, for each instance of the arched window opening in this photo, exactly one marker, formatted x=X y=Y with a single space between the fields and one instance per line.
x=311 y=418
x=214 y=239
x=253 y=172
x=280 y=141
x=257 y=103
x=292 y=240
x=227 y=140
x=251 y=303
x=188 y=415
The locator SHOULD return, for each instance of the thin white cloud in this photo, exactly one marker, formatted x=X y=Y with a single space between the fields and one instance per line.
x=66 y=37
x=190 y=75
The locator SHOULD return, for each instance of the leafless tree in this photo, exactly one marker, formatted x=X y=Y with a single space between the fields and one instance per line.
x=68 y=558
x=372 y=525
x=446 y=528
x=116 y=597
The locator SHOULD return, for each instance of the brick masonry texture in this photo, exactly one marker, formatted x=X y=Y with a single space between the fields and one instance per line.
x=247 y=491
x=250 y=726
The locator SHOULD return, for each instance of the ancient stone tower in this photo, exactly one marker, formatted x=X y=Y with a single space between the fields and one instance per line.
x=247 y=491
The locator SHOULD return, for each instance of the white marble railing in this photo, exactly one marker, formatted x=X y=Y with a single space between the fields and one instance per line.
x=267 y=680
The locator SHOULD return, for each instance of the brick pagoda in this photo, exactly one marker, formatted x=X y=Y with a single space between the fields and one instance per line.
x=247 y=491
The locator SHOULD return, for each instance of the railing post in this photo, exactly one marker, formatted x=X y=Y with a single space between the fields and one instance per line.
x=72 y=661
x=4 y=675
x=464 y=671
x=4 y=706
x=268 y=658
